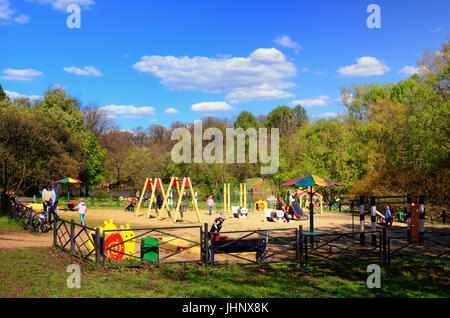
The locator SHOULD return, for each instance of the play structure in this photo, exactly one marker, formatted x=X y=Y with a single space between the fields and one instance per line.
x=414 y=215
x=70 y=203
x=296 y=211
x=261 y=205
x=238 y=195
x=119 y=244
x=305 y=200
x=177 y=187
x=229 y=196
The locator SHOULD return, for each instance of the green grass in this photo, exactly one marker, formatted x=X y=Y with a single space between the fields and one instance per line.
x=8 y=225
x=42 y=273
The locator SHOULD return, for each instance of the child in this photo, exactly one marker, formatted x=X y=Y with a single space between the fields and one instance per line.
x=81 y=207
x=210 y=203
x=217 y=226
x=130 y=207
x=388 y=216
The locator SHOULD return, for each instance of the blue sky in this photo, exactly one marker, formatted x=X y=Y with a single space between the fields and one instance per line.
x=137 y=59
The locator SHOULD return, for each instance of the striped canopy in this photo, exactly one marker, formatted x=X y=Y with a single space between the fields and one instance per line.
x=311 y=180
x=69 y=180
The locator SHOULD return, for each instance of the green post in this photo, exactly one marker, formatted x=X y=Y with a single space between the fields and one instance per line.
x=311 y=217
x=311 y=212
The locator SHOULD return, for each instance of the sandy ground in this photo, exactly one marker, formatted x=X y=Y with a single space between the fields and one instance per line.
x=328 y=222
x=25 y=240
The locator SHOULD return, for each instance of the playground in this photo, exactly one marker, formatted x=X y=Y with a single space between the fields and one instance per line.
x=326 y=221
x=164 y=224
x=175 y=230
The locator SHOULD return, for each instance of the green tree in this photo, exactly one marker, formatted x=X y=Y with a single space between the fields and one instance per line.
x=2 y=93
x=284 y=118
x=246 y=120
x=300 y=113
x=58 y=106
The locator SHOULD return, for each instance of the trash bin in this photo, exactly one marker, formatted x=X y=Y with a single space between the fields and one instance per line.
x=150 y=249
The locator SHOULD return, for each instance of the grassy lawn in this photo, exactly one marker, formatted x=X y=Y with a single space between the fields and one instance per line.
x=8 y=225
x=42 y=273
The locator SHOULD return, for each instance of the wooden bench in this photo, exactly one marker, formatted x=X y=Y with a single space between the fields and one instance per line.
x=259 y=246
x=26 y=200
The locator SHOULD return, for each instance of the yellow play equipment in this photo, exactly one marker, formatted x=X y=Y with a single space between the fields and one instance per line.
x=118 y=245
x=229 y=199
x=181 y=185
x=152 y=184
x=261 y=205
x=301 y=193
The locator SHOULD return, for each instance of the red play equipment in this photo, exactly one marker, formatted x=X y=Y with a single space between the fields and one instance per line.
x=296 y=211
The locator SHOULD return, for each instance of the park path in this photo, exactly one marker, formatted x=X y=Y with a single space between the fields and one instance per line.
x=25 y=240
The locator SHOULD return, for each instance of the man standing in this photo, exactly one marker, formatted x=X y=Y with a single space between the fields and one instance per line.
x=48 y=199
x=57 y=187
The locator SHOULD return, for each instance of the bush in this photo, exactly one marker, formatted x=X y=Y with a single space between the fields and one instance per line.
x=102 y=195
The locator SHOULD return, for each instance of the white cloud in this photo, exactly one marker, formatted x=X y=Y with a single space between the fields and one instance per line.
x=366 y=66
x=171 y=110
x=15 y=95
x=327 y=115
x=345 y=99
x=286 y=41
x=62 y=5
x=5 y=11
x=20 y=75
x=305 y=69
x=409 y=70
x=437 y=29
x=211 y=106
x=130 y=110
x=308 y=102
x=324 y=115
x=261 y=92
x=238 y=75
x=7 y=14
x=22 y=19
x=85 y=71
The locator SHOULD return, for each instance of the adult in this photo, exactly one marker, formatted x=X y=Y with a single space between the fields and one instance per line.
x=57 y=187
x=48 y=199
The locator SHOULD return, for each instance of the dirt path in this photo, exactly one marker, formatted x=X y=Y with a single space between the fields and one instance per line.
x=25 y=240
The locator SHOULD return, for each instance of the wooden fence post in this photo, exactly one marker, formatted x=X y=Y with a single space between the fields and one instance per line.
x=206 y=244
x=300 y=244
x=97 y=248
x=384 y=247
x=373 y=220
x=72 y=236
x=421 y=219
x=55 y=231
x=361 y=221
x=30 y=221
